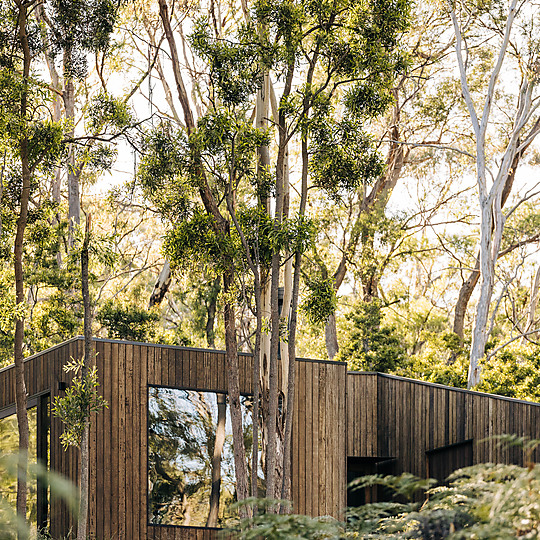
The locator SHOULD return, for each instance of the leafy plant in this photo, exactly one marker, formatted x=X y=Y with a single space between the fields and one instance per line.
x=80 y=400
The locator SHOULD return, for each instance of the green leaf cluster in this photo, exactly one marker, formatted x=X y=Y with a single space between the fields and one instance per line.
x=81 y=399
x=371 y=345
x=235 y=72
x=127 y=321
x=320 y=301
x=344 y=156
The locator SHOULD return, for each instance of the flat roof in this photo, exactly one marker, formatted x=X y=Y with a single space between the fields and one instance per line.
x=358 y=373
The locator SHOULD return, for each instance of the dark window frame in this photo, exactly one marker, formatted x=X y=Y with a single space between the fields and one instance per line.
x=41 y=401
x=188 y=389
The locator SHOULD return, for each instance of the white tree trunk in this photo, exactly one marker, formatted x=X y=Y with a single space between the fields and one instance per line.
x=531 y=315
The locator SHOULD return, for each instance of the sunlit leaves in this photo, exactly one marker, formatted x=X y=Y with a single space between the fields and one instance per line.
x=234 y=68
x=371 y=344
x=80 y=27
x=163 y=172
x=107 y=113
x=127 y=321
x=344 y=157
x=81 y=399
x=321 y=300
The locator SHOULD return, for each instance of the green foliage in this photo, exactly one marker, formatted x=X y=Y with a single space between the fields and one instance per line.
x=81 y=399
x=344 y=157
x=127 y=321
x=11 y=526
x=107 y=113
x=269 y=525
x=197 y=240
x=163 y=172
x=80 y=27
x=371 y=346
x=321 y=300
x=227 y=143
x=482 y=501
x=513 y=373
x=234 y=68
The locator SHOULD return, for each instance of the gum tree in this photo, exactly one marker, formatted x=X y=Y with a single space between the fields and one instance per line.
x=31 y=145
x=511 y=37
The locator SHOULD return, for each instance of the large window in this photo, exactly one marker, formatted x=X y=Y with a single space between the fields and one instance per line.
x=190 y=456
x=38 y=420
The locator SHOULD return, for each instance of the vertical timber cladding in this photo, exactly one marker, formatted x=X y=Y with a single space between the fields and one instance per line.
x=118 y=482
x=43 y=373
x=319 y=439
x=389 y=416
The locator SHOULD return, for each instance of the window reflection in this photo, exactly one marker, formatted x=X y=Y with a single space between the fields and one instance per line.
x=190 y=455
x=9 y=444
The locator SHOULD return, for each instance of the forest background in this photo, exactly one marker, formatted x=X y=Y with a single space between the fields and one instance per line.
x=391 y=258
x=337 y=179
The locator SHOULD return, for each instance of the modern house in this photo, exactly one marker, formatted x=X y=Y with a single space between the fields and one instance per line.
x=150 y=449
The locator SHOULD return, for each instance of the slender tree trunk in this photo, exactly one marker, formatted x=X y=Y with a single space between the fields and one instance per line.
x=291 y=378
x=470 y=283
x=211 y=308
x=256 y=389
x=216 y=461
x=221 y=416
x=262 y=364
x=20 y=384
x=273 y=385
x=330 y=334
x=531 y=315
x=82 y=524
x=73 y=174
x=234 y=391
x=463 y=299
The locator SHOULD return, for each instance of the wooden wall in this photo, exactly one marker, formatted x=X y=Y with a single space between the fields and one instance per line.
x=118 y=478
x=43 y=373
x=386 y=416
x=401 y=418
x=319 y=439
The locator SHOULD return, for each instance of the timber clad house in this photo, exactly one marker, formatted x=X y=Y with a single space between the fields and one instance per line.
x=149 y=448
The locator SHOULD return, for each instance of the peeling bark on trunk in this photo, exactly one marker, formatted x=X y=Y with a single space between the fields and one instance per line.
x=161 y=286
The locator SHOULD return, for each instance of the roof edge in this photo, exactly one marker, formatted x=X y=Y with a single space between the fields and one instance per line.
x=443 y=386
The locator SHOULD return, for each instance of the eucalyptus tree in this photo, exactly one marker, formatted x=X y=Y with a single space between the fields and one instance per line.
x=72 y=31
x=513 y=45
x=415 y=132
x=331 y=66
x=31 y=145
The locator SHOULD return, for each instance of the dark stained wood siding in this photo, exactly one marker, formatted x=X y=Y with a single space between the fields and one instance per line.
x=319 y=439
x=43 y=373
x=118 y=477
x=390 y=416
x=337 y=414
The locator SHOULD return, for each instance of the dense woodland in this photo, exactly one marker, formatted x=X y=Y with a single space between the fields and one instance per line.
x=352 y=180
x=389 y=222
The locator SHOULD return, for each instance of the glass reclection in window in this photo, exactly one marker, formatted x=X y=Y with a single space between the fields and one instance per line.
x=191 y=478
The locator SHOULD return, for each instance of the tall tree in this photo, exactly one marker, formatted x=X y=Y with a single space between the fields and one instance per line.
x=31 y=146
x=492 y=176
